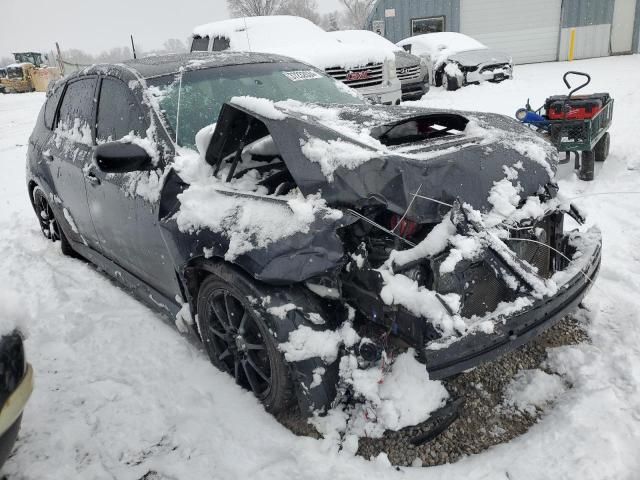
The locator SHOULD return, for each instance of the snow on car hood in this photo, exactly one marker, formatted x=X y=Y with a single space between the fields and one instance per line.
x=473 y=58
x=405 y=59
x=331 y=150
x=293 y=37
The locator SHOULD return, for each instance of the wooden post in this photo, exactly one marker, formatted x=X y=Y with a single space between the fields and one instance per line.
x=133 y=48
x=60 y=62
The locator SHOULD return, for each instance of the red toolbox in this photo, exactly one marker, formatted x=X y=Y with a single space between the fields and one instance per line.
x=579 y=107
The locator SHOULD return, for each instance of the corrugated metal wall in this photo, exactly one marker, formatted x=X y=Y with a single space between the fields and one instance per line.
x=636 y=34
x=399 y=27
x=591 y=18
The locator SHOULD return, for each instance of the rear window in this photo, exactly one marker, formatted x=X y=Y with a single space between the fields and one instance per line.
x=51 y=106
x=200 y=44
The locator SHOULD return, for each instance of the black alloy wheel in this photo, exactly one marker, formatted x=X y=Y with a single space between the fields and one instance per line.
x=48 y=222
x=238 y=342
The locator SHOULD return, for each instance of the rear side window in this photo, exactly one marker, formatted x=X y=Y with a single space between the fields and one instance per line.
x=118 y=112
x=220 y=44
x=76 y=110
x=200 y=44
x=51 y=107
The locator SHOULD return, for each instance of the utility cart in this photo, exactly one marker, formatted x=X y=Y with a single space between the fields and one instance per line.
x=575 y=123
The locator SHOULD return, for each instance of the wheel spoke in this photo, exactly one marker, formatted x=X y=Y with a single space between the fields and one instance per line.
x=258 y=370
x=228 y=309
x=243 y=321
x=218 y=333
x=219 y=314
x=225 y=354
x=254 y=346
x=236 y=371
x=253 y=381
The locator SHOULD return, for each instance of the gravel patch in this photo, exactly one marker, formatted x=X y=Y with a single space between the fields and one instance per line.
x=483 y=421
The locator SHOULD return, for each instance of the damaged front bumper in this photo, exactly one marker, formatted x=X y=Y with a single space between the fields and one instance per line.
x=510 y=331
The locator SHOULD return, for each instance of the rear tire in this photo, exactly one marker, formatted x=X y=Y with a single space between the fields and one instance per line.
x=602 y=148
x=239 y=342
x=587 y=166
x=48 y=224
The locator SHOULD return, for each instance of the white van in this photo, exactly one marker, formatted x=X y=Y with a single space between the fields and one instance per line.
x=369 y=70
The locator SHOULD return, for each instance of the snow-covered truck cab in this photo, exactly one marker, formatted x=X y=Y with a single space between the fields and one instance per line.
x=368 y=69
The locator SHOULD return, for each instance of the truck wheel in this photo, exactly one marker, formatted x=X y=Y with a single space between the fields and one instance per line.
x=450 y=83
x=602 y=148
x=587 y=166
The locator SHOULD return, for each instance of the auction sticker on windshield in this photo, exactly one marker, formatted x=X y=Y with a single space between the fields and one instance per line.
x=299 y=75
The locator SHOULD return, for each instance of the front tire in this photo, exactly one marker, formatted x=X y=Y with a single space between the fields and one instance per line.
x=48 y=223
x=239 y=342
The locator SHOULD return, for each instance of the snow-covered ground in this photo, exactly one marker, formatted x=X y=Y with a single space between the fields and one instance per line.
x=119 y=393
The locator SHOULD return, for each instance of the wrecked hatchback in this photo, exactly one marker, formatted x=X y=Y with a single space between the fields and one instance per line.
x=302 y=234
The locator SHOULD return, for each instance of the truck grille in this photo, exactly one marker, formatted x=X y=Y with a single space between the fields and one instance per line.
x=362 y=77
x=408 y=73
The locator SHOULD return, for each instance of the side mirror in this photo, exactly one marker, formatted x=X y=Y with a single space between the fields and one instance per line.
x=118 y=157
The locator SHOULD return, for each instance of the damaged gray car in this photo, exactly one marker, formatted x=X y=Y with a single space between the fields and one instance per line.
x=252 y=197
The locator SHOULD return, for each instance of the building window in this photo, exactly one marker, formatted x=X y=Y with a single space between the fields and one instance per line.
x=427 y=25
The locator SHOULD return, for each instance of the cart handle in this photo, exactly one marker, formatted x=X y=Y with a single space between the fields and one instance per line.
x=582 y=74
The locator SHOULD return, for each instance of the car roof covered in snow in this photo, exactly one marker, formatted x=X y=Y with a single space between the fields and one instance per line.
x=159 y=65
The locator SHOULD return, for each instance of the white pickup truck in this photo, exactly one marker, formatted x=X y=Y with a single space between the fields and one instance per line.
x=369 y=70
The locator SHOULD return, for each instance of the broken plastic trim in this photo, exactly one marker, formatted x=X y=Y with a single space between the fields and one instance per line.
x=441 y=419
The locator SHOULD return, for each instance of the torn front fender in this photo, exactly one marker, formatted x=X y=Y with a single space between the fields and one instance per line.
x=292 y=259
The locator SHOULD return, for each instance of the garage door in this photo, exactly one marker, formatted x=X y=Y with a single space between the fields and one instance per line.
x=527 y=30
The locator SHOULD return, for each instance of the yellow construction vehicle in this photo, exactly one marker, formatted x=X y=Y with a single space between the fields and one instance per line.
x=28 y=74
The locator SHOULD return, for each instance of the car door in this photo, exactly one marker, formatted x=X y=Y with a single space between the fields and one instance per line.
x=124 y=206
x=69 y=151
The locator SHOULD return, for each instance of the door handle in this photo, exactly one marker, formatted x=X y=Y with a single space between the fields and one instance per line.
x=93 y=180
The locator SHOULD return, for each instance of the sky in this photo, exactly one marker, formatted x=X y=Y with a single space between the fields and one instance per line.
x=95 y=26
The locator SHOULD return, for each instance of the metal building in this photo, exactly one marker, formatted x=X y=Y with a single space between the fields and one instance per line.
x=531 y=31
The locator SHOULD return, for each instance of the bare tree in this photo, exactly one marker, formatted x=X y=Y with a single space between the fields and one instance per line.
x=357 y=12
x=301 y=8
x=252 y=8
x=174 y=45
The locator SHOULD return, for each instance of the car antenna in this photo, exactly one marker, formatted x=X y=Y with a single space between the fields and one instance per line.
x=246 y=32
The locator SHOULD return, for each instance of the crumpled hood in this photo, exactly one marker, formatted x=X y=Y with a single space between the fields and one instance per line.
x=463 y=166
x=473 y=58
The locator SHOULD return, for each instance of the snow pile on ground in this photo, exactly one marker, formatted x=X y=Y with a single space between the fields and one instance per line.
x=293 y=37
x=12 y=315
x=533 y=389
x=383 y=396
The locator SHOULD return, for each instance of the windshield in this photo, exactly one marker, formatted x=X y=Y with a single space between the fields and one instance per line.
x=14 y=72
x=204 y=92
